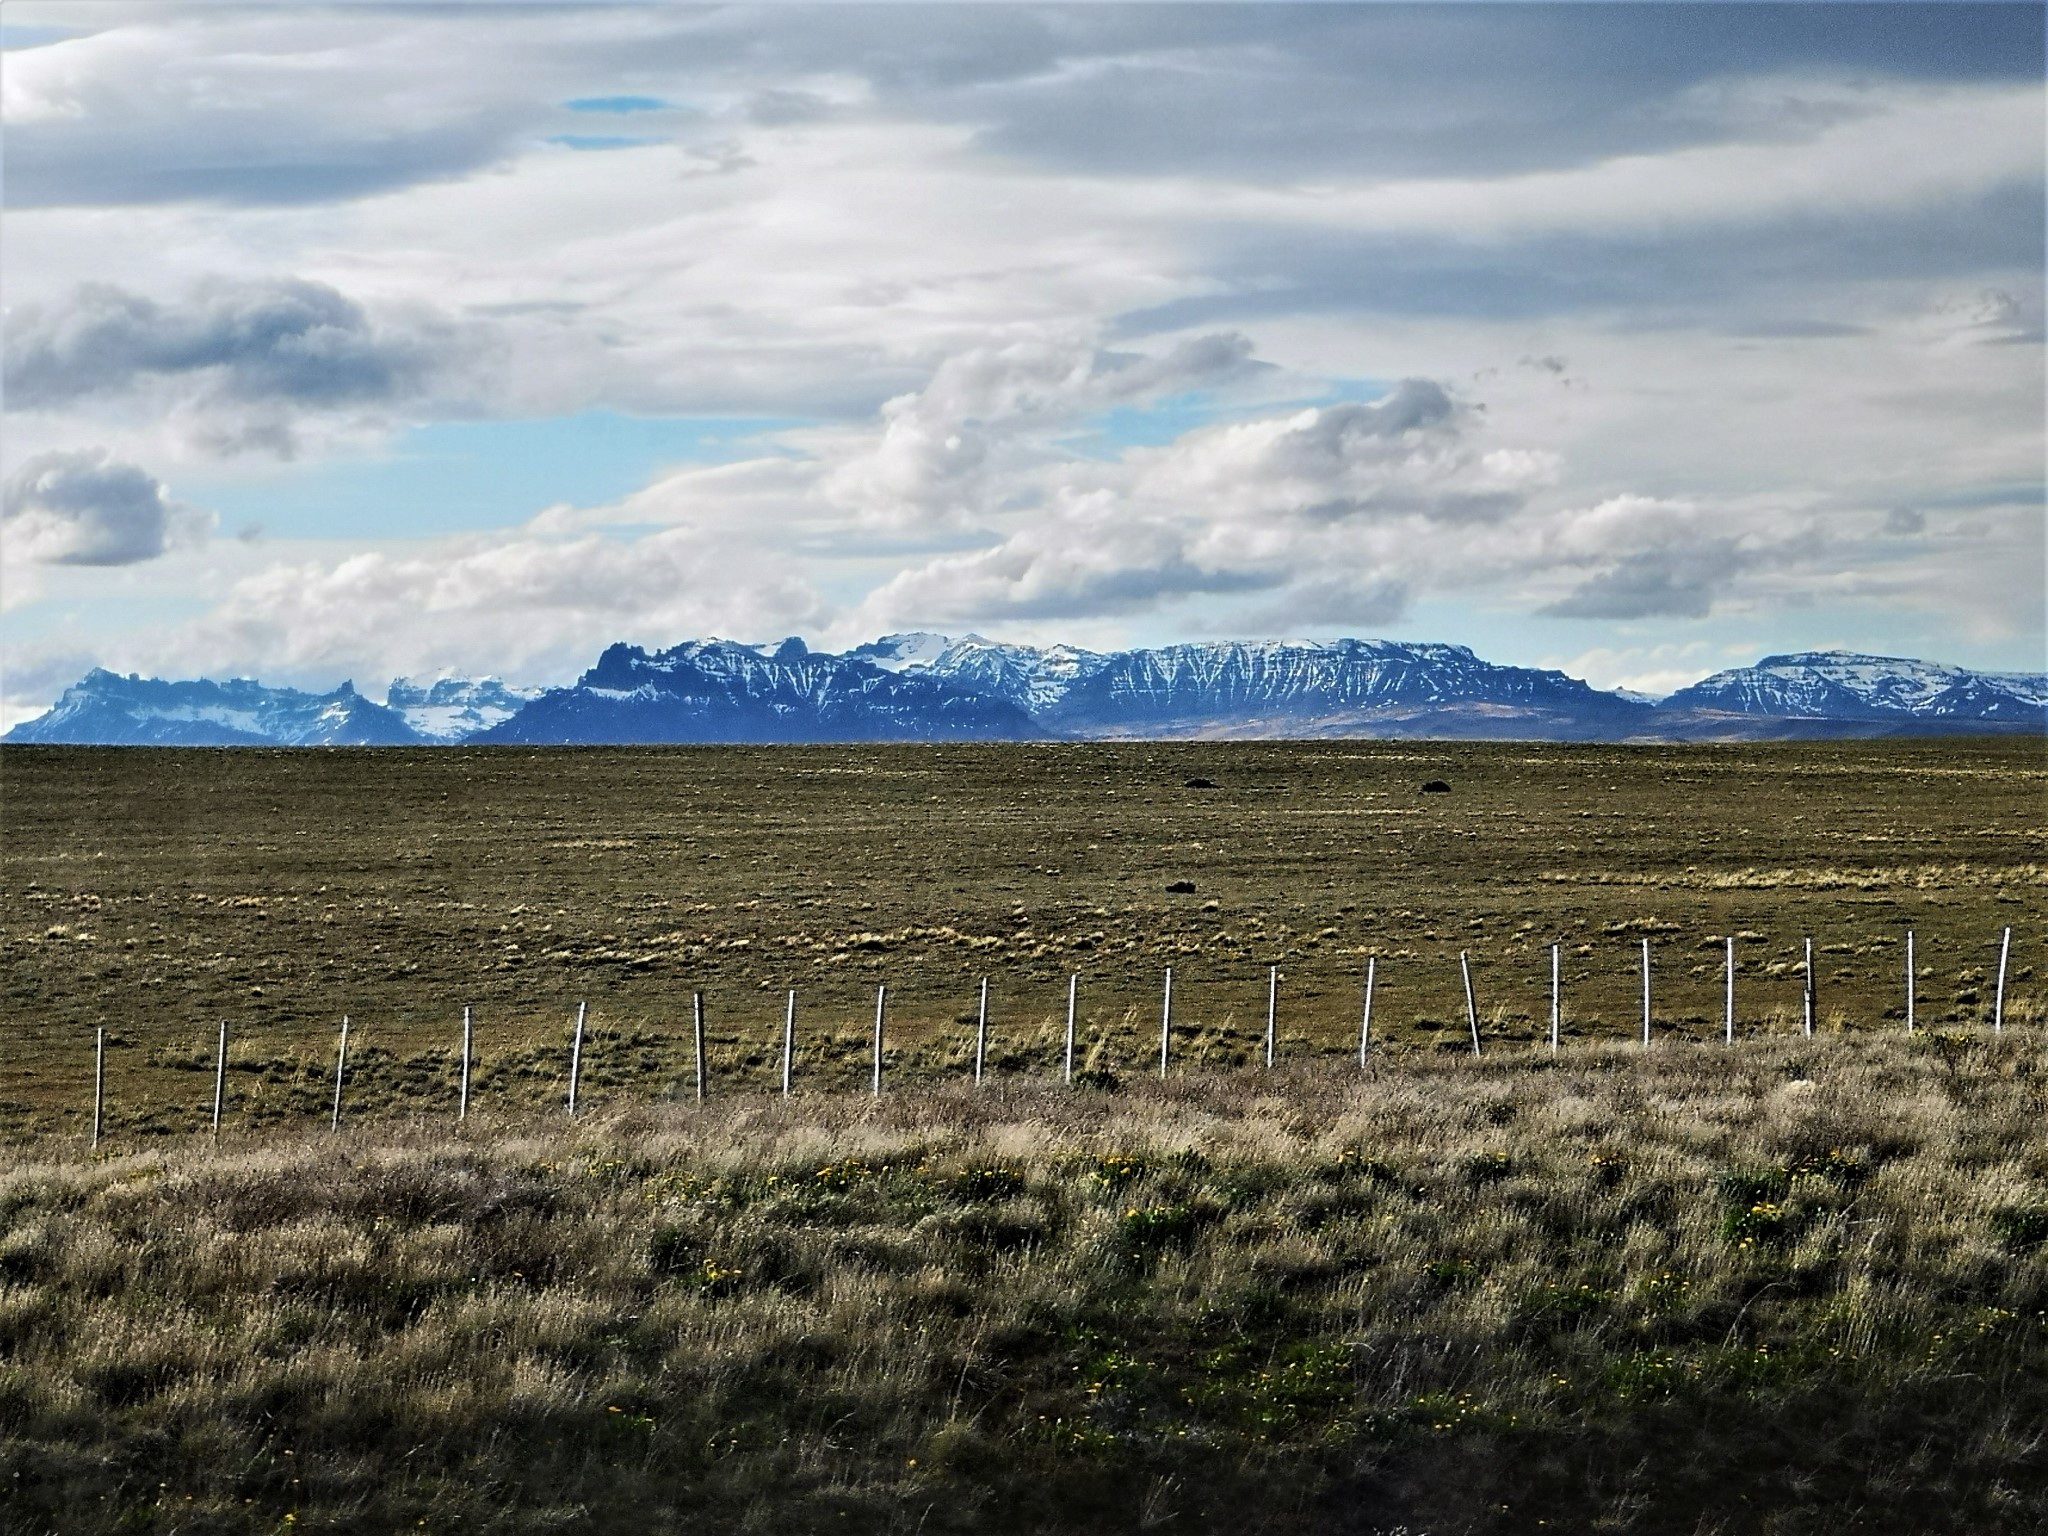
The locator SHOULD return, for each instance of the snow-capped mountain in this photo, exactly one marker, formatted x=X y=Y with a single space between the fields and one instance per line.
x=1033 y=679
x=1036 y=680
x=1275 y=687
x=926 y=687
x=451 y=708
x=1846 y=685
x=717 y=690
x=899 y=653
x=106 y=709
x=1331 y=687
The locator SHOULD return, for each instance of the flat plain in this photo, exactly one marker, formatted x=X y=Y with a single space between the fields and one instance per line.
x=158 y=893
x=1799 y=1285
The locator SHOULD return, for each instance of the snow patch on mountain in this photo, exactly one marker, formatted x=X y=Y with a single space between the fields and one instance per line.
x=719 y=691
x=924 y=686
x=1033 y=678
x=1852 y=685
x=450 y=708
x=898 y=653
x=106 y=709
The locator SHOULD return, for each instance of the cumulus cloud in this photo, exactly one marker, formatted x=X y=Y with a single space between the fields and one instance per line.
x=87 y=508
x=1094 y=557
x=236 y=366
x=1657 y=583
x=1736 y=234
x=947 y=453
x=1407 y=452
x=287 y=340
x=526 y=605
x=172 y=104
x=1343 y=510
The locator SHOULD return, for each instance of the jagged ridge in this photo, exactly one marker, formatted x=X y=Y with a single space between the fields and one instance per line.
x=104 y=708
x=930 y=687
x=1847 y=685
x=454 y=708
x=719 y=691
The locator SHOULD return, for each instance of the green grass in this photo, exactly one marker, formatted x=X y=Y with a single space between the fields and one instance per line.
x=1800 y=1287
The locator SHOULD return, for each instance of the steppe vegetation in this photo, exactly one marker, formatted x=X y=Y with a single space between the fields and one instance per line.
x=157 y=893
x=1796 y=1285
x=1799 y=1288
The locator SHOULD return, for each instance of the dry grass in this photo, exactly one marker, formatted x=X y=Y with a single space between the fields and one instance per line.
x=1797 y=1287
x=159 y=892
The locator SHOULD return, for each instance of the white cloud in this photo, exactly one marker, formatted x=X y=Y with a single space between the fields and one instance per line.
x=232 y=365
x=1652 y=669
x=86 y=508
x=923 y=230
x=523 y=606
x=1346 y=506
x=956 y=450
x=1893 y=146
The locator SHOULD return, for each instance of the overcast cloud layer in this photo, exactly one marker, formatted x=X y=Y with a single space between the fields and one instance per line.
x=1639 y=341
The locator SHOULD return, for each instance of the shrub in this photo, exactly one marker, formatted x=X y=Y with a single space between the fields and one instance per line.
x=2021 y=1226
x=1146 y=1229
x=993 y=1181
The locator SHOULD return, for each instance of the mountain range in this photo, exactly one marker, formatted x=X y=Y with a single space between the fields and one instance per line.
x=926 y=687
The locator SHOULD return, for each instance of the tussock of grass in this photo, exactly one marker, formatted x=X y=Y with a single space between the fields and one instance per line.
x=1678 y=1290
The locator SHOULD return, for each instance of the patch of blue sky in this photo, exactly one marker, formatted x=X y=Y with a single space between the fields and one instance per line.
x=80 y=606
x=1106 y=434
x=602 y=140
x=459 y=476
x=13 y=36
x=618 y=104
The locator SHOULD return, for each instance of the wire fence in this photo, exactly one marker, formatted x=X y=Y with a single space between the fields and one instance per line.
x=1074 y=1047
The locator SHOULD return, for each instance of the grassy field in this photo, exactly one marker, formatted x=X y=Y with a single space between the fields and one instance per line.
x=1801 y=1288
x=1793 y=1286
x=157 y=893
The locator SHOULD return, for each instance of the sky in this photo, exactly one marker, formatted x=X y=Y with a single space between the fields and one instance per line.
x=356 y=340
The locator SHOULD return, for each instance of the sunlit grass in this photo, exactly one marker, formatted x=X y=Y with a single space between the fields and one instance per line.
x=1455 y=1295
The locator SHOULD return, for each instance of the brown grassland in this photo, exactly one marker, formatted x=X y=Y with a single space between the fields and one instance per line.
x=1793 y=1285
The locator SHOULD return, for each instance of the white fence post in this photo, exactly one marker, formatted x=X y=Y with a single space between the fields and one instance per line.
x=340 y=1068
x=1807 y=997
x=697 y=1039
x=1471 y=1008
x=1073 y=982
x=1365 y=1019
x=99 y=1080
x=462 y=1098
x=981 y=1033
x=1556 y=1008
x=788 y=1041
x=1646 y=992
x=576 y=1059
x=220 y=1075
x=1166 y=1022
x=1728 y=1013
x=1272 y=1010
x=881 y=1002
x=1998 y=997
x=1911 y=981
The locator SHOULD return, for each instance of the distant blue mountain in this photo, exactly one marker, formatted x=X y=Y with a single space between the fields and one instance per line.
x=925 y=687
x=1334 y=688
x=104 y=708
x=716 y=690
x=1848 y=686
x=452 y=708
